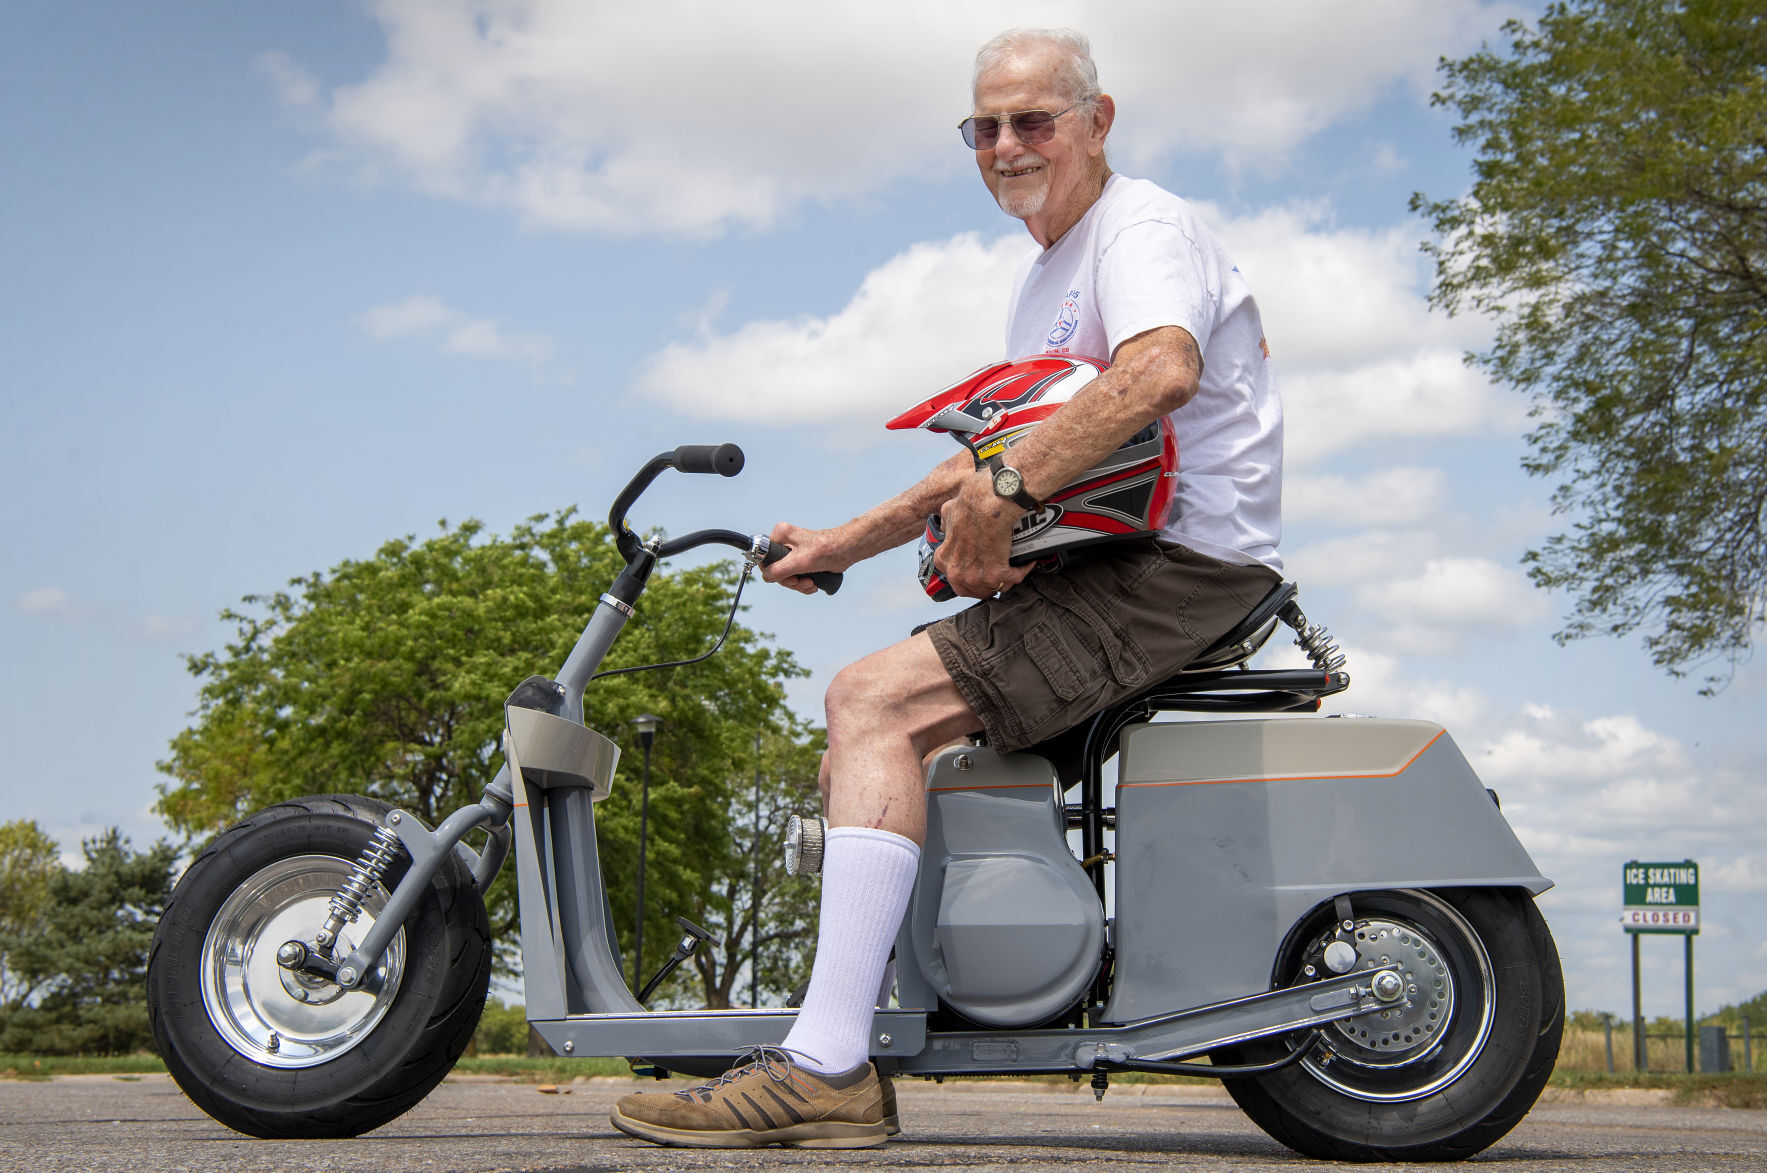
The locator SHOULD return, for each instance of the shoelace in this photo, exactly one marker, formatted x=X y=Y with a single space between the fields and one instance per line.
x=773 y=1062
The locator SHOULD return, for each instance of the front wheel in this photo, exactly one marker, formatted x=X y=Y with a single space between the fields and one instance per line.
x=1445 y=1074
x=278 y=1053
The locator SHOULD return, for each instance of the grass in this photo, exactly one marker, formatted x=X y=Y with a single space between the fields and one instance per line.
x=45 y=1066
x=1735 y=1090
x=552 y=1069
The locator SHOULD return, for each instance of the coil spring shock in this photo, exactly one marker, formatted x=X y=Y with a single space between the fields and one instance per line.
x=1313 y=639
x=346 y=905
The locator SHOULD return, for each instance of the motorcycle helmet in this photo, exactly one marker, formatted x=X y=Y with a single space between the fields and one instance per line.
x=1126 y=495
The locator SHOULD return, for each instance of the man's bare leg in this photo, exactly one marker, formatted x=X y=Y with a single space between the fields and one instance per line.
x=884 y=714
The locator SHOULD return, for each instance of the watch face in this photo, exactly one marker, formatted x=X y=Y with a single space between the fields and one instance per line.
x=1007 y=482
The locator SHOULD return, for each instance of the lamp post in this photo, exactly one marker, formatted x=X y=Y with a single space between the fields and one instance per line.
x=648 y=725
x=755 y=930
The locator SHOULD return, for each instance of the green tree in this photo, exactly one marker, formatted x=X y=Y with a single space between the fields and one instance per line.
x=502 y=1030
x=387 y=676
x=786 y=907
x=86 y=959
x=29 y=860
x=1616 y=229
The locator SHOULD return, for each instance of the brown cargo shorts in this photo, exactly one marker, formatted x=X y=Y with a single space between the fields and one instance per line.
x=1063 y=644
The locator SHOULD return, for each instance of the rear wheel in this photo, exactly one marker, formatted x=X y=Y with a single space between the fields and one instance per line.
x=278 y=1053
x=1442 y=1077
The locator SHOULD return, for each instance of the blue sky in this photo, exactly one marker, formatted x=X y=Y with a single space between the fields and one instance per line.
x=283 y=283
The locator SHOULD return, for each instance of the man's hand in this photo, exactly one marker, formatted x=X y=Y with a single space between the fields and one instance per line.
x=811 y=550
x=978 y=540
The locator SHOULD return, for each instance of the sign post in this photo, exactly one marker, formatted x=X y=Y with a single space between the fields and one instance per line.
x=1660 y=898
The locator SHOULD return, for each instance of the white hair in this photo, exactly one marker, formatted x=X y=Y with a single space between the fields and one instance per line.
x=1075 y=71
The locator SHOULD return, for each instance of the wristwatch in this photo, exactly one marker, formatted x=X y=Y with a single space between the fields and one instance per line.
x=1010 y=483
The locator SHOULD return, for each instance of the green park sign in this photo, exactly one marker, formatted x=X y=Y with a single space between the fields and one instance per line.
x=1661 y=897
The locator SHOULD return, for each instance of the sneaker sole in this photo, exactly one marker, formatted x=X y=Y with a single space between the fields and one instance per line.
x=819 y=1134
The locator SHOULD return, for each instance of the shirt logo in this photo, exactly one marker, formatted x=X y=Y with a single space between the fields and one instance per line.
x=1067 y=322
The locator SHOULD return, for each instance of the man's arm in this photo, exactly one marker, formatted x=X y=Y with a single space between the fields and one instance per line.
x=1153 y=374
x=900 y=519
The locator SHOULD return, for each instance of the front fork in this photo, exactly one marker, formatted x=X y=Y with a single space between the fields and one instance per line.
x=427 y=849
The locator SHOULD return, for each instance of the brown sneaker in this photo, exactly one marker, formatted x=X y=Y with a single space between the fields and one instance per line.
x=766 y=1099
x=892 y=1122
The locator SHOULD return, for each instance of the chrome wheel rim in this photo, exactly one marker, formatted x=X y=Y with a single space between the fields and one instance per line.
x=274 y=1016
x=1429 y=1040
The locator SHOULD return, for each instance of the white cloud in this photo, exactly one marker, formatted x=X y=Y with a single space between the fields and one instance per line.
x=166 y=627
x=1431 y=393
x=1388 y=496
x=44 y=601
x=911 y=328
x=415 y=315
x=1746 y=873
x=1371 y=556
x=294 y=86
x=1627 y=758
x=690 y=118
x=1432 y=611
x=422 y=315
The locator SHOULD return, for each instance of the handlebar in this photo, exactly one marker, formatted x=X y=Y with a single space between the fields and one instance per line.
x=827 y=581
x=723 y=459
x=726 y=460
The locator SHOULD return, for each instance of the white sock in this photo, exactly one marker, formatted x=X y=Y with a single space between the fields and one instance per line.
x=867 y=876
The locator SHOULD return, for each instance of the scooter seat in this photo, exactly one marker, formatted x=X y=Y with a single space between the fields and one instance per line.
x=1248 y=635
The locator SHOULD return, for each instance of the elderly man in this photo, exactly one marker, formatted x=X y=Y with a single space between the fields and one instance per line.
x=1122 y=269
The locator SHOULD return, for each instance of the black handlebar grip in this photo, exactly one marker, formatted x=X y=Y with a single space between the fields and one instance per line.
x=723 y=459
x=827 y=581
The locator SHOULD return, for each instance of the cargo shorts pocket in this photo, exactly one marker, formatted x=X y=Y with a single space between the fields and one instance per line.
x=1118 y=652
x=1048 y=650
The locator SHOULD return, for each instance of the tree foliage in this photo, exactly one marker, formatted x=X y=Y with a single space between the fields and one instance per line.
x=83 y=962
x=387 y=676
x=29 y=860
x=1617 y=230
x=784 y=908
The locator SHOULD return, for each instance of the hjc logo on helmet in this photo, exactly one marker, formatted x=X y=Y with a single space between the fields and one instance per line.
x=1128 y=494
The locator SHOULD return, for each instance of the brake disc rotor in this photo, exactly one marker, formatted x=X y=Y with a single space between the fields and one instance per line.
x=1403 y=1031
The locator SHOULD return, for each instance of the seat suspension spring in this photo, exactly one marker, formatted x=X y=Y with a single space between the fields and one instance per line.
x=1317 y=642
x=346 y=905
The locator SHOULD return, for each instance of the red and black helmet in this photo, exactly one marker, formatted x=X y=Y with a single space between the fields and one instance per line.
x=1126 y=495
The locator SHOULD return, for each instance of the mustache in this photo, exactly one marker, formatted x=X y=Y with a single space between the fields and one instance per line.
x=1029 y=158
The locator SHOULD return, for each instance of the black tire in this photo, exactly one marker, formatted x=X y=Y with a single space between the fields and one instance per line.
x=350 y=1062
x=1438 y=1090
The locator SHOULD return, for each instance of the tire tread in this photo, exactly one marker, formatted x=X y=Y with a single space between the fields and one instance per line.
x=385 y=1095
x=1289 y=1128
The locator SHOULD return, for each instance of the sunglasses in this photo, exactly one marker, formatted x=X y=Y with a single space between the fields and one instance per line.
x=981 y=131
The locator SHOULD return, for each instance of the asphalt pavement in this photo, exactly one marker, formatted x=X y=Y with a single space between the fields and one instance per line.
x=143 y=1124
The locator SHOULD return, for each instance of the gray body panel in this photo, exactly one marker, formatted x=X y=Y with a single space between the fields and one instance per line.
x=1003 y=925
x=1228 y=832
x=570 y=963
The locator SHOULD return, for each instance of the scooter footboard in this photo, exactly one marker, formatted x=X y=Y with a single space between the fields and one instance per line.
x=1228 y=832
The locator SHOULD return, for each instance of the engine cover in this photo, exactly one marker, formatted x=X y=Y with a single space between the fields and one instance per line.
x=1004 y=927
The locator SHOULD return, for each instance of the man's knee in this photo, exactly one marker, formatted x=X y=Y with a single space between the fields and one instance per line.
x=869 y=693
x=852 y=690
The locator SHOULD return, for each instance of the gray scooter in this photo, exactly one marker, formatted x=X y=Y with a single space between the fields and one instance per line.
x=1329 y=914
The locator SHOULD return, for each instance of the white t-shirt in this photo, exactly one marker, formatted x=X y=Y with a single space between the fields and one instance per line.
x=1139 y=259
